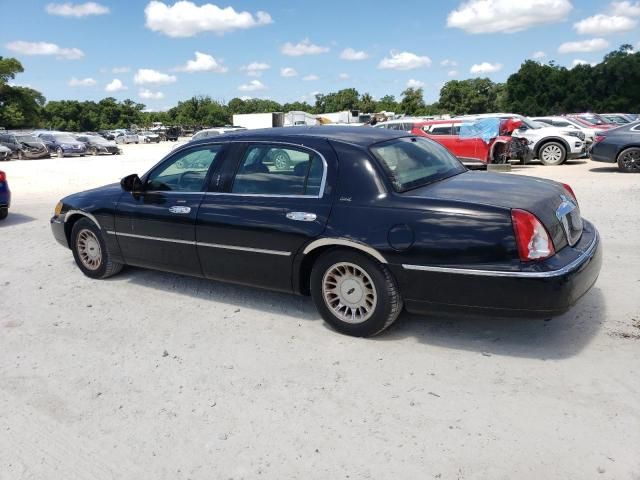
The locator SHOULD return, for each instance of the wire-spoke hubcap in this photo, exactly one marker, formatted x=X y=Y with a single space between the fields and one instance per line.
x=552 y=153
x=631 y=160
x=89 y=249
x=349 y=292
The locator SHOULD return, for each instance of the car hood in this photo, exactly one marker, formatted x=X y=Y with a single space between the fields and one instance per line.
x=88 y=198
x=536 y=195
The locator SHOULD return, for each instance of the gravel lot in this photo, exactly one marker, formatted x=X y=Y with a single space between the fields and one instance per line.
x=156 y=376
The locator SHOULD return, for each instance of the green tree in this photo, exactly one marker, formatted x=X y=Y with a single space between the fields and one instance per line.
x=367 y=104
x=475 y=95
x=20 y=107
x=412 y=101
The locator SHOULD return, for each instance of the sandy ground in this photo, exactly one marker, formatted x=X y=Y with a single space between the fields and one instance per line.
x=156 y=376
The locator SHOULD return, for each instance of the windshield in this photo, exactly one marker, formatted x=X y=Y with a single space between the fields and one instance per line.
x=412 y=162
x=65 y=139
x=27 y=139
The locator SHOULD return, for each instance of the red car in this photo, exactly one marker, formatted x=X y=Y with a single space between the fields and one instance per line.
x=592 y=120
x=471 y=149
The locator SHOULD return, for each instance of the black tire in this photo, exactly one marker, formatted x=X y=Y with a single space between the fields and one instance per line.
x=59 y=152
x=93 y=151
x=629 y=160
x=281 y=160
x=4 y=211
x=105 y=267
x=552 y=153
x=20 y=155
x=388 y=302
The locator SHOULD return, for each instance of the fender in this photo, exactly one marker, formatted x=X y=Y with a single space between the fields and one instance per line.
x=323 y=242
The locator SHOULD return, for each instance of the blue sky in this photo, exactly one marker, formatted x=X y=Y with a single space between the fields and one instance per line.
x=75 y=50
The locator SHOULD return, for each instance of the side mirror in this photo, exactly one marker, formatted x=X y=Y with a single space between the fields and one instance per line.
x=131 y=183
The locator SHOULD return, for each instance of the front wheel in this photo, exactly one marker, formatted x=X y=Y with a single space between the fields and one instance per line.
x=629 y=160
x=90 y=250
x=355 y=294
x=281 y=160
x=20 y=155
x=4 y=211
x=59 y=152
x=553 y=153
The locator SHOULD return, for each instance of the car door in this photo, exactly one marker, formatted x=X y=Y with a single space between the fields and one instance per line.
x=250 y=231
x=155 y=227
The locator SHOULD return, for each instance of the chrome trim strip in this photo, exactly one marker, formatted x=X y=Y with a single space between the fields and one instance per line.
x=202 y=244
x=501 y=273
x=322 y=242
x=69 y=213
x=244 y=249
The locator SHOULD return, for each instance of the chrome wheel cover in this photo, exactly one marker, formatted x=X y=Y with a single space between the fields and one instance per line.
x=631 y=160
x=88 y=248
x=552 y=153
x=281 y=161
x=349 y=292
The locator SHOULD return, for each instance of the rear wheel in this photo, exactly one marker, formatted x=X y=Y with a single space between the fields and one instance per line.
x=90 y=250
x=4 y=211
x=20 y=155
x=59 y=152
x=552 y=153
x=281 y=160
x=93 y=151
x=629 y=160
x=354 y=294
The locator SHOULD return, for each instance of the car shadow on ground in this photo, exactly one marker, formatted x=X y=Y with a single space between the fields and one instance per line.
x=546 y=339
x=555 y=338
x=612 y=169
x=15 y=219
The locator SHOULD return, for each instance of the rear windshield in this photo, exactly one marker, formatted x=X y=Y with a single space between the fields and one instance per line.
x=412 y=162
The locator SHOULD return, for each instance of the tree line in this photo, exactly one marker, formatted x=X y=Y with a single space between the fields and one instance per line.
x=535 y=89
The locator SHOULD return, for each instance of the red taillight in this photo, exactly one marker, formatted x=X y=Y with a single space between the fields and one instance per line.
x=599 y=138
x=533 y=240
x=3 y=177
x=570 y=190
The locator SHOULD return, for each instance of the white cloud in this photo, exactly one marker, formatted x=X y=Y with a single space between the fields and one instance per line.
x=626 y=9
x=604 y=25
x=579 y=61
x=148 y=76
x=115 y=85
x=44 y=48
x=305 y=47
x=84 y=82
x=353 y=55
x=538 y=55
x=310 y=78
x=120 y=70
x=246 y=97
x=486 y=67
x=149 y=95
x=448 y=63
x=186 y=19
x=413 y=83
x=288 y=72
x=593 y=45
x=507 y=16
x=404 y=61
x=255 y=69
x=252 y=86
x=203 y=63
x=452 y=73
x=79 y=10
x=343 y=76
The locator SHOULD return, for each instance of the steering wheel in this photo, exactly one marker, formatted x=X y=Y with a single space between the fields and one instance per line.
x=181 y=179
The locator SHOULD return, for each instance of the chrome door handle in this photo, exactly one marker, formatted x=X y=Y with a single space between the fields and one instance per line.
x=302 y=216
x=178 y=209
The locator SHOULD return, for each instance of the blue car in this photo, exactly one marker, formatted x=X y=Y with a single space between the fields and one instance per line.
x=63 y=144
x=5 y=196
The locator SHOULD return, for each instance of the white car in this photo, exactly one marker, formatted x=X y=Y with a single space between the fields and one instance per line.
x=214 y=132
x=125 y=136
x=571 y=124
x=551 y=145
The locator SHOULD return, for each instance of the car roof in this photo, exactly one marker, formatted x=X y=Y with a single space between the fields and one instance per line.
x=360 y=136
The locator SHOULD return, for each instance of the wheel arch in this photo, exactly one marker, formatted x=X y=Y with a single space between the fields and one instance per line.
x=317 y=248
x=71 y=217
x=622 y=149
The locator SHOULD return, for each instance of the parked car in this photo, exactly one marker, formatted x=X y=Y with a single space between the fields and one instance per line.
x=5 y=196
x=570 y=123
x=149 y=137
x=106 y=134
x=619 y=145
x=172 y=133
x=126 y=136
x=24 y=146
x=214 y=132
x=617 y=118
x=62 y=144
x=97 y=145
x=5 y=153
x=592 y=120
x=377 y=220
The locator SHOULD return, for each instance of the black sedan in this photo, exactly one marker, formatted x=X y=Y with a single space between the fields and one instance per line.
x=367 y=222
x=619 y=145
x=97 y=145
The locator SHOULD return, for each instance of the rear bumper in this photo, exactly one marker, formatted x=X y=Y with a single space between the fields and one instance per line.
x=5 y=197
x=549 y=290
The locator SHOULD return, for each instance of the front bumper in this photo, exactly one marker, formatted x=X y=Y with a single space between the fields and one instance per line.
x=546 y=289
x=57 y=228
